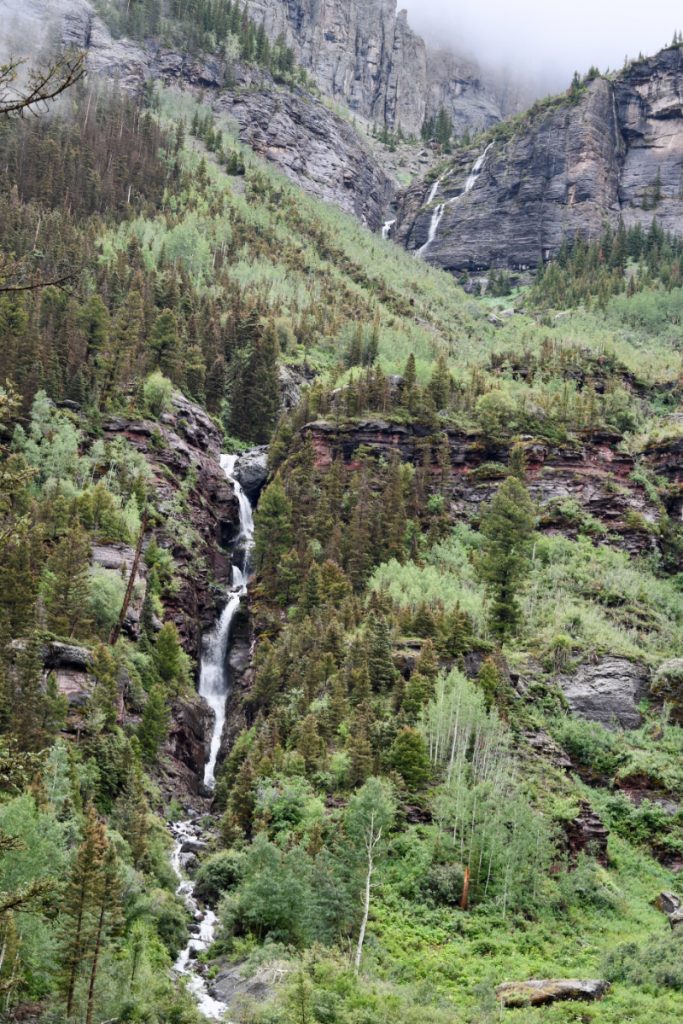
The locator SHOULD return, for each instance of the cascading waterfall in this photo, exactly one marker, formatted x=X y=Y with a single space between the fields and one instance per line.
x=386 y=230
x=437 y=215
x=213 y=687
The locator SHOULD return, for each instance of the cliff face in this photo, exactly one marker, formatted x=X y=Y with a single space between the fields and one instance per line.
x=591 y=473
x=365 y=54
x=314 y=147
x=567 y=169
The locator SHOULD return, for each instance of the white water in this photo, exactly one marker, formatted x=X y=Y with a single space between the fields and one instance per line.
x=213 y=683
x=213 y=687
x=386 y=230
x=204 y=928
x=437 y=215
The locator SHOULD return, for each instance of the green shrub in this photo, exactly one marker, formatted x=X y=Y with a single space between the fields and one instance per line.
x=217 y=875
x=157 y=392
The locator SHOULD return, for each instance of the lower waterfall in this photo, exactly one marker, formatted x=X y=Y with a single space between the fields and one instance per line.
x=214 y=688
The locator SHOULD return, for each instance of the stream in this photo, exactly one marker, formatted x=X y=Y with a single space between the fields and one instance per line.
x=214 y=686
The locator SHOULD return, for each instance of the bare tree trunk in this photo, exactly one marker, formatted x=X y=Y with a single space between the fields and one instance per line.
x=95 y=963
x=116 y=631
x=371 y=842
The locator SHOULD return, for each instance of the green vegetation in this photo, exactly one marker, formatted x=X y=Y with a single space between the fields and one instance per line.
x=385 y=826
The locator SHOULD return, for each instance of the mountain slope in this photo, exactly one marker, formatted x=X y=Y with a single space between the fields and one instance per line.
x=611 y=149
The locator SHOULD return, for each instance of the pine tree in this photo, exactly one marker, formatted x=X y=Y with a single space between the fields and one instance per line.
x=66 y=585
x=79 y=903
x=507 y=526
x=380 y=653
x=274 y=534
x=153 y=728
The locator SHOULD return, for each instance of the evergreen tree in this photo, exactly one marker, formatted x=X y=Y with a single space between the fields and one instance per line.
x=507 y=526
x=66 y=585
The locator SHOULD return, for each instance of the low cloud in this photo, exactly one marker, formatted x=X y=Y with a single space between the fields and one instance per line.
x=548 y=41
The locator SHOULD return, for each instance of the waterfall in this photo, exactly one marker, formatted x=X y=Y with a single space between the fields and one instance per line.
x=386 y=230
x=213 y=682
x=213 y=687
x=439 y=210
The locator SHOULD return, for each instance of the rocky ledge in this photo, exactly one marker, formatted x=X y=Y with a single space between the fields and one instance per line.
x=201 y=511
x=587 y=477
x=314 y=146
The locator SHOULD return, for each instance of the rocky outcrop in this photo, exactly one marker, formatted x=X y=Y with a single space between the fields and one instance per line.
x=590 y=474
x=252 y=471
x=316 y=148
x=201 y=511
x=186 y=749
x=587 y=834
x=364 y=53
x=607 y=692
x=541 y=993
x=237 y=987
x=565 y=169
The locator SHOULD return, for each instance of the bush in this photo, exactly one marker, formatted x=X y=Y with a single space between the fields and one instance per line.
x=157 y=393
x=658 y=964
x=217 y=875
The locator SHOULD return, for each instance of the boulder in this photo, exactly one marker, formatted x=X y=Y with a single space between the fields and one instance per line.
x=252 y=471
x=676 y=920
x=541 y=993
x=668 y=903
x=607 y=692
x=230 y=986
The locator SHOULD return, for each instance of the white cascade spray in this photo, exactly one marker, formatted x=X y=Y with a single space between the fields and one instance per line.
x=437 y=215
x=213 y=687
x=386 y=230
x=213 y=683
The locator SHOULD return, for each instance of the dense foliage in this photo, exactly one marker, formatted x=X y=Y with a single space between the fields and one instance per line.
x=385 y=829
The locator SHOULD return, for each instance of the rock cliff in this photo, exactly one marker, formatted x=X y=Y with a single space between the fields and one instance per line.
x=564 y=169
x=589 y=473
x=314 y=146
x=364 y=53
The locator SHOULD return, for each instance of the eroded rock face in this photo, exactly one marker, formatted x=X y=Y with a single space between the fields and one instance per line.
x=566 y=171
x=607 y=692
x=542 y=993
x=252 y=471
x=186 y=446
x=592 y=474
x=187 y=747
x=587 y=834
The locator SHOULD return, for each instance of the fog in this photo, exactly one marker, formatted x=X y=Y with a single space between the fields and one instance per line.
x=548 y=41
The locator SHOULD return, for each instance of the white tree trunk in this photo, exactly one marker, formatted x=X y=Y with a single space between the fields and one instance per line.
x=371 y=841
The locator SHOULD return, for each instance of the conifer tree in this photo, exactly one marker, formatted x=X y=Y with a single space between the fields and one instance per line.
x=507 y=526
x=66 y=585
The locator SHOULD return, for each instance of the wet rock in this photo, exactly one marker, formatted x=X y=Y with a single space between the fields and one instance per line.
x=607 y=692
x=541 y=993
x=186 y=442
x=569 y=168
x=187 y=748
x=252 y=471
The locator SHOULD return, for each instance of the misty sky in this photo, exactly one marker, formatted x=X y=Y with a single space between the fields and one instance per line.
x=549 y=39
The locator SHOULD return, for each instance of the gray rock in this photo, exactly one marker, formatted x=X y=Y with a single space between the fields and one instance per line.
x=607 y=692
x=540 y=993
x=364 y=53
x=252 y=470
x=231 y=987
x=668 y=903
x=676 y=920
